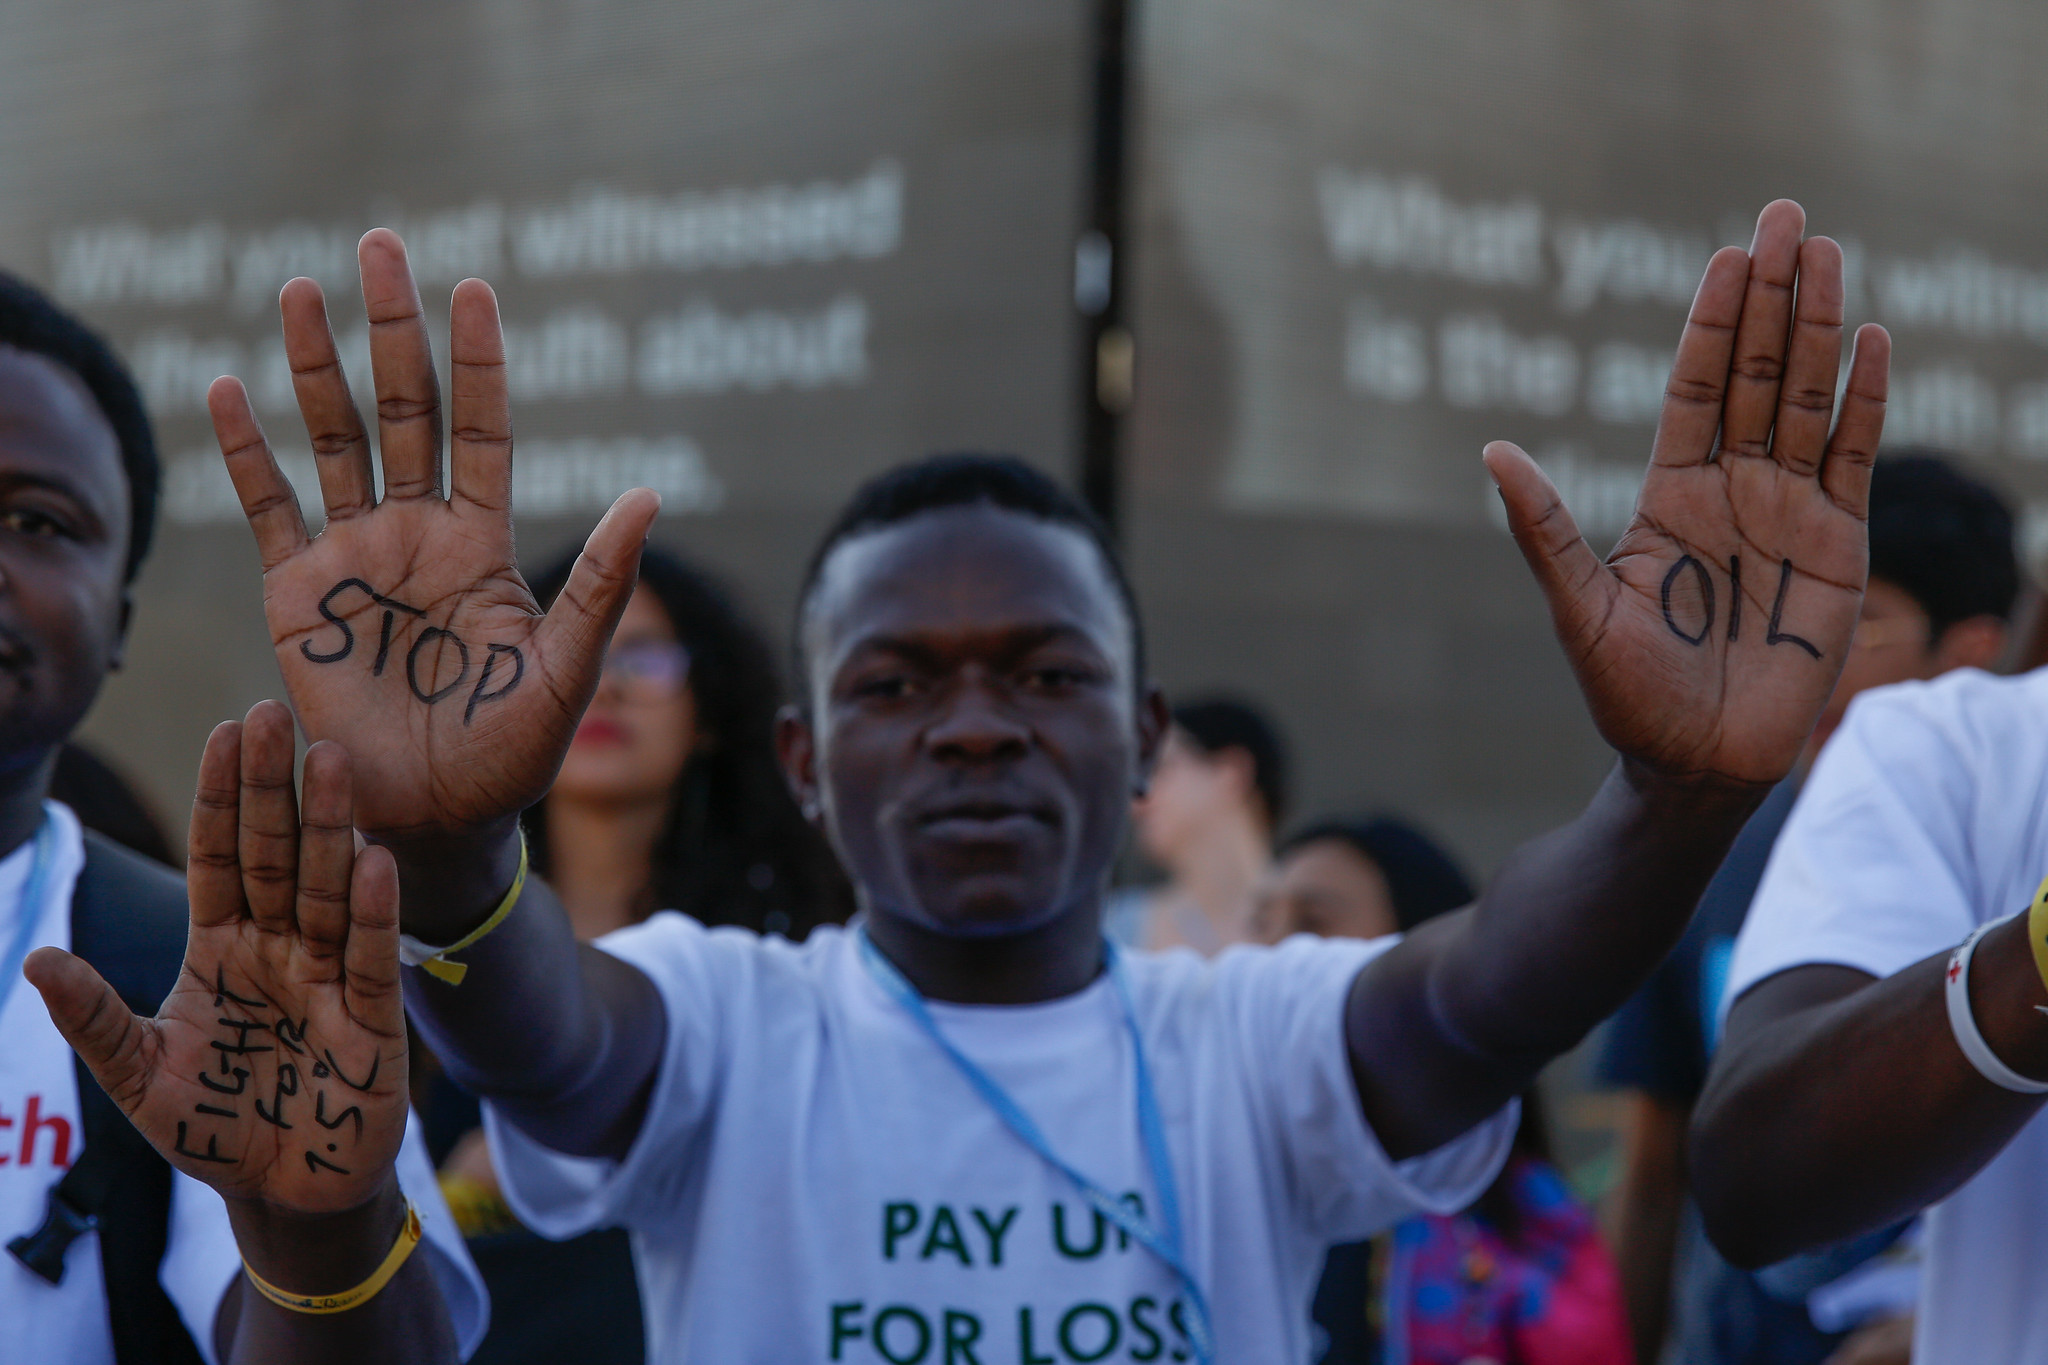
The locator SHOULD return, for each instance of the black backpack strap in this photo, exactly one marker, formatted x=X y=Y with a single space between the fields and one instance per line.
x=128 y=919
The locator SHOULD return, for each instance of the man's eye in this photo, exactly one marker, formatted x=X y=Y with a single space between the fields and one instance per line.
x=29 y=522
x=1053 y=679
x=888 y=687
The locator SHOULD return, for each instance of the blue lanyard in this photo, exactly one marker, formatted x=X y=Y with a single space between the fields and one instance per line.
x=29 y=907
x=1162 y=1239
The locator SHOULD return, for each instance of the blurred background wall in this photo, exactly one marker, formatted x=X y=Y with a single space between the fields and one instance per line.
x=1267 y=272
x=1372 y=236
x=747 y=252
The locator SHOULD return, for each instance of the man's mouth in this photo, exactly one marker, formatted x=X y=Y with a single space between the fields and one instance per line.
x=991 y=820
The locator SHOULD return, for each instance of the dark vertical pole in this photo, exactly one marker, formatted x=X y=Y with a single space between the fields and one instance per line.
x=1102 y=266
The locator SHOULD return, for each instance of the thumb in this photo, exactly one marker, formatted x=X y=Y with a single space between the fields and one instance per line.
x=601 y=582
x=114 y=1044
x=1572 y=577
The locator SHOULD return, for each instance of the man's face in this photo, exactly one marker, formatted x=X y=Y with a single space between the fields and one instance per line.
x=973 y=740
x=64 y=518
x=1194 y=797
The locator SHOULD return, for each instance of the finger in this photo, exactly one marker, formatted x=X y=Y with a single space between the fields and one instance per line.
x=1846 y=472
x=341 y=446
x=1759 y=356
x=213 y=864
x=268 y=838
x=115 y=1045
x=479 y=409
x=266 y=495
x=583 y=616
x=402 y=364
x=327 y=851
x=1699 y=374
x=1806 y=400
x=1575 y=582
x=372 y=993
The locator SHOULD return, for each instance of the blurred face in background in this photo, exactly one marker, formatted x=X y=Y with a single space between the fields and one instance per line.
x=1895 y=642
x=641 y=727
x=1192 y=794
x=1328 y=888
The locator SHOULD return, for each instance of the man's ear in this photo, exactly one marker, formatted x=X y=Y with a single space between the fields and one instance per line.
x=1978 y=642
x=119 y=654
x=796 y=750
x=1155 y=718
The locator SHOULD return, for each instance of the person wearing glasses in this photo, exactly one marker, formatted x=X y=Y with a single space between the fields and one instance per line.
x=1943 y=579
x=668 y=799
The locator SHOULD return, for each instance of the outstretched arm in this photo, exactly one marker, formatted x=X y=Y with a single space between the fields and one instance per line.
x=1706 y=645
x=275 y=1071
x=404 y=631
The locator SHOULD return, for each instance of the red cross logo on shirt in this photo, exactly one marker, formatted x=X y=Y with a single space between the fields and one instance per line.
x=1955 y=968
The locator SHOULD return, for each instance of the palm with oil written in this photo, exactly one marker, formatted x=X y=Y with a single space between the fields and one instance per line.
x=1708 y=641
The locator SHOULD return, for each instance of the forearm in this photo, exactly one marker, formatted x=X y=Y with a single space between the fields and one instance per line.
x=1825 y=1120
x=1650 y=1204
x=1575 y=920
x=1646 y=1242
x=1459 y=1018
x=561 y=1038
x=406 y=1322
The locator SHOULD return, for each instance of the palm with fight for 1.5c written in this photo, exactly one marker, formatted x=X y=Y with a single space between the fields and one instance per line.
x=276 y=1069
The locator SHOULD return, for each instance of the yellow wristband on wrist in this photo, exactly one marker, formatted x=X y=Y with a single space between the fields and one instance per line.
x=408 y=1238
x=2037 y=931
x=434 y=961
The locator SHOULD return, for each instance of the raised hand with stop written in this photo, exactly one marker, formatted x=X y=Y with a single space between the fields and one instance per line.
x=403 y=629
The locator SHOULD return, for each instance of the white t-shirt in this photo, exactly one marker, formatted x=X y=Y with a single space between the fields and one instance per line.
x=1926 y=816
x=40 y=1137
x=815 y=1181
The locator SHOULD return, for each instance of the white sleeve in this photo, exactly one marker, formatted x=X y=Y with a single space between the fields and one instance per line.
x=698 y=972
x=1875 y=868
x=1287 y=1005
x=202 y=1261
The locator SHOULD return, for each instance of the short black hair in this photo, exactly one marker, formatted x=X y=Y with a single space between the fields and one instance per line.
x=30 y=322
x=967 y=480
x=1423 y=881
x=1943 y=538
x=1215 y=724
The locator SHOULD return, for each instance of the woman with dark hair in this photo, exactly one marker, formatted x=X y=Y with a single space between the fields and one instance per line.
x=1519 y=1278
x=670 y=798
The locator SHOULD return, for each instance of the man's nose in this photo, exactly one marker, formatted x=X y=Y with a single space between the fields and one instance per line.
x=977 y=726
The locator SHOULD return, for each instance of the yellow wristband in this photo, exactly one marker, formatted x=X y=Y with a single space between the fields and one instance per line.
x=2037 y=930
x=434 y=961
x=408 y=1238
x=478 y=1209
